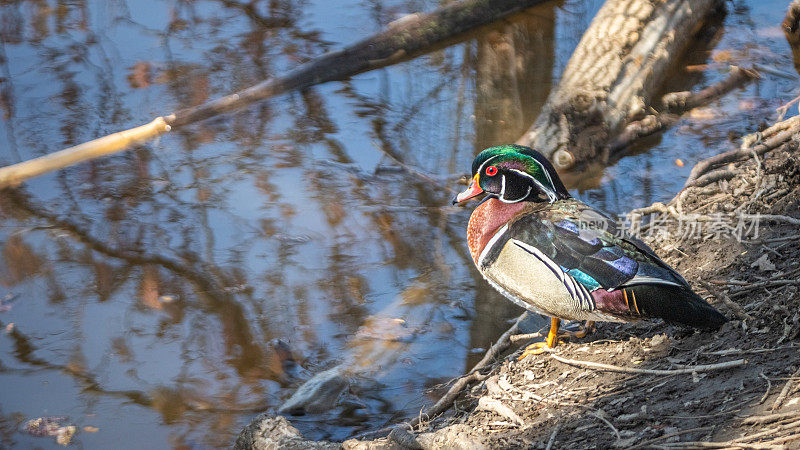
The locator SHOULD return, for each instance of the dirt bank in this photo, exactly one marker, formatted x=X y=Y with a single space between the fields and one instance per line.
x=735 y=237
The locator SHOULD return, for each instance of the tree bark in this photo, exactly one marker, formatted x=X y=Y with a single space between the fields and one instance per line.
x=613 y=76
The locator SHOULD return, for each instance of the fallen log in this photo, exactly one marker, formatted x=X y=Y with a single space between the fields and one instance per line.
x=409 y=37
x=613 y=76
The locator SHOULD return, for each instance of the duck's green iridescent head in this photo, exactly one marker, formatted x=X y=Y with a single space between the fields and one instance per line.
x=514 y=173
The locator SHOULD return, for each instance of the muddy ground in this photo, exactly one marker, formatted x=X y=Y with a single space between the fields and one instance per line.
x=540 y=402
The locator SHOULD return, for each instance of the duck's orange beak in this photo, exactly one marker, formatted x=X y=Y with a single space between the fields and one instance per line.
x=472 y=190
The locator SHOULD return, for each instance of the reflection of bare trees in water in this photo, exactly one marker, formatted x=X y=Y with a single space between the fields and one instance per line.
x=152 y=224
x=511 y=59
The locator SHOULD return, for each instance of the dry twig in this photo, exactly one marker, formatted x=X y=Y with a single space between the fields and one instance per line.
x=686 y=370
x=760 y=420
x=648 y=443
x=497 y=407
x=610 y=425
x=552 y=439
x=524 y=337
x=780 y=218
x=762 y=284
x=773 y=137
x=784 y=392
x=106 y=145
x=721 y=296
x=474 y=375
x=771 y=431
x=769 y=387
x=703 y=444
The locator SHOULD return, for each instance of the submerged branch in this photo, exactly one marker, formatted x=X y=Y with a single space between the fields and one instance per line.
x=460 y=384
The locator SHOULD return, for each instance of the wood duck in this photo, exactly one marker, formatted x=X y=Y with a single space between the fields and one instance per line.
x=555 y=255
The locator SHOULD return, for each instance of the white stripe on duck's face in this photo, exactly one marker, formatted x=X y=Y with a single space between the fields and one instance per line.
x=497 y=176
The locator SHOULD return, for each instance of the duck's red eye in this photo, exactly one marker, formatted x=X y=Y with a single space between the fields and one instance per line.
x=491 y=171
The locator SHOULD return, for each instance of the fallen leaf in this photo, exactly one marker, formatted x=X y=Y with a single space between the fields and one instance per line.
x=64 y=435
x=723 y=56
x=139 y=76
x=702 y=114
x=763 y=263
x=679 y=162
x=51 y=426
x=91 y=429
x=10 y=327
x=747 y=105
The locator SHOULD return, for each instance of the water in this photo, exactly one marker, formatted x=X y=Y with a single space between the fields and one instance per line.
x=169 y=294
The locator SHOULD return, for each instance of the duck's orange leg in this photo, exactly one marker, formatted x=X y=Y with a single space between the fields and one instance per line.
x=540 y=347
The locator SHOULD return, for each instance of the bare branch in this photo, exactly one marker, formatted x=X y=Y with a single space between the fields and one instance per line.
x=686 y=370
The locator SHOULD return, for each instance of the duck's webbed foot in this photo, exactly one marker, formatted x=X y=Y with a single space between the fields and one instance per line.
x=549 y=343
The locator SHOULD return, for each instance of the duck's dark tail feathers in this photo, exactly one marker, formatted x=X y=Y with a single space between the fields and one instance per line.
x=676 y=304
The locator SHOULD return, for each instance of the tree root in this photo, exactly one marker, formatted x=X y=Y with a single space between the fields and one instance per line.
x=770 y=418
x=773 y=137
